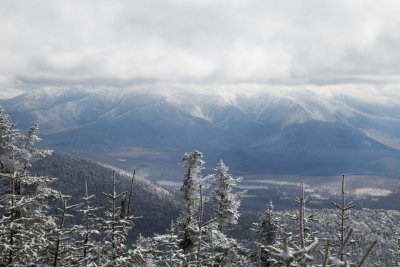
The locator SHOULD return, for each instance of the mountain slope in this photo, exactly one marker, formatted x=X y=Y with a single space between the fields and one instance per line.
x=156 y=205
x=297 y=132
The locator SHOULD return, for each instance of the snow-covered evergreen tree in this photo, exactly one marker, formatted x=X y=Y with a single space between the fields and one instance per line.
x=115 y=228
x=225 y=202
x=27 y=152
x=342 y=223
x=342 y=255
x=335 y=261
x=267 y=232
x=24 y=224
x=62 y=247
x=86 y=244
x=167 y=251
x=144 y=254
x=297 y=249
x=8 y=146
x=220 y=250
x=192 y=166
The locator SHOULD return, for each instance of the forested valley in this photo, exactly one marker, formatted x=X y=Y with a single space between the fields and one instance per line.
x=56 y=210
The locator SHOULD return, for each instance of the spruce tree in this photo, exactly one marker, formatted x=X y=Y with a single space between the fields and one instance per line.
x=297 y=249
x=342 y=223
x=219 y=249
x=86 y=234
x=342 y=256
x=225 y=202
x=192 y=165
x=166 y=249
x=24 y=221
x=116 y=225
x=63 y=247
x=267 y=232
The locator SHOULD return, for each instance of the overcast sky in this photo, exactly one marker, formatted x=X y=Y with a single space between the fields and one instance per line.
x=122 y=43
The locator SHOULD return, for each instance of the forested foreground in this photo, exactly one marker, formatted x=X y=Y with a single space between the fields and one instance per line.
x=368 y=224
x=36 y=228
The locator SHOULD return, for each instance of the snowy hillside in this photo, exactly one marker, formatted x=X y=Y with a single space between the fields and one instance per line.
x=155 y=205
x=276 y=131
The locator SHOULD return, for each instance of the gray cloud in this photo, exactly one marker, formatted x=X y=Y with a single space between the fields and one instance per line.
x=199 y=41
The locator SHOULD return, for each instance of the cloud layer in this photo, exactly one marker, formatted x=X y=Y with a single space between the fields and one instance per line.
x=119 y=43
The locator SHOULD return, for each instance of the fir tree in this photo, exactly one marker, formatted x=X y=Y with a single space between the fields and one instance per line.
x=192 y=165
x=342 y=222
x=115 y=227
x=225 y=202
x=63 y=248
x=221 y=250
x=8 y=143
x=144 y=254
x=167 y=251
x=299 y=251
x=342 y=256
x=267 y=232
x=335 y=261
x=86 y=244
x=24 y=223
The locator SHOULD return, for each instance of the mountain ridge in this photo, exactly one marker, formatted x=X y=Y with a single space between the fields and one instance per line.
x=299 y=132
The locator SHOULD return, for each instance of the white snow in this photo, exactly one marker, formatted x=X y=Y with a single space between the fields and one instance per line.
x=375 y=192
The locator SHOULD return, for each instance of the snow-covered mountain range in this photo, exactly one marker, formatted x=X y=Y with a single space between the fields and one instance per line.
x=276 y=131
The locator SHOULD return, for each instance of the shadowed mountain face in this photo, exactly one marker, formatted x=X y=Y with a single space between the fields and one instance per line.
x=296 y=133
x=155 y=206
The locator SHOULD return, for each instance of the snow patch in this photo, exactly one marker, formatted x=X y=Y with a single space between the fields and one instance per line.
x=198 y=112
x=384 y=138
x=276 y=182
x=169 y=183
x=368 y=191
